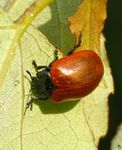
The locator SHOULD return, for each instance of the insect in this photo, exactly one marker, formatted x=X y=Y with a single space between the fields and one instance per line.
x=73 y=76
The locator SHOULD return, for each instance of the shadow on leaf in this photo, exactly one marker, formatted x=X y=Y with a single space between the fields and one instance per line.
x=48 y=107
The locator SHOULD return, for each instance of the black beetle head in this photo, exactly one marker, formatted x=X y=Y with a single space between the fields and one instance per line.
x=41 y=85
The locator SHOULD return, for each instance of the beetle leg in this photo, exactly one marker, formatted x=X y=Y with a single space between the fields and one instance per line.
x=29 y=74
x=55 y=54
x=77 y=45
x=55 y=57
x=79 y=41
x=46 y=67
x=37 y=67
x=29 y=104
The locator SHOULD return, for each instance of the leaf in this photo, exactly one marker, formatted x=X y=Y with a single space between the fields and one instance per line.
x=57 y=28
x=89 y=19
x=71 y=125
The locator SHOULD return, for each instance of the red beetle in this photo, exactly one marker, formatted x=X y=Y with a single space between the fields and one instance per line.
x=70 y=77
x=76 y=75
